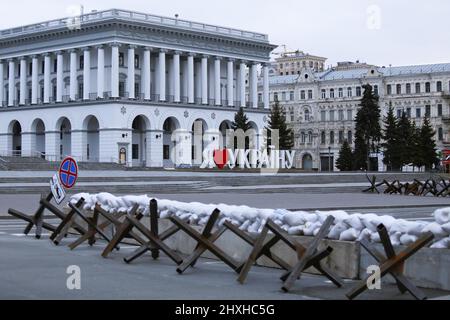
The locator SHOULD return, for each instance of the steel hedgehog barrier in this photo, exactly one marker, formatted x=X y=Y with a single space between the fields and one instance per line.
x=437 y=187
x=130 y=226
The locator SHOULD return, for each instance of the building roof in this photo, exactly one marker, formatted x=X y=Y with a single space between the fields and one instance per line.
x=333 y=74
x=118 y=14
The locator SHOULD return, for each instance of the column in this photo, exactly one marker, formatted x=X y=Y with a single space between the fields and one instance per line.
x=185 y=81
x=254 y=85
x=190 y=82
x=230 y=83
x=115 y=70
x=198 y=80
x=47 y=78
x=34 y=80
x=266 y=86
x=147 y=77
x=59 y=76
x=217 y=81
x=73 y=75
x=100 y=71
x=23 y=81
x=204 y=80
x=176 y=77
x=2 y=83
x=131 y=73
x=242 y=84
x=11 y=83
x=87 y=74
x=162 y=75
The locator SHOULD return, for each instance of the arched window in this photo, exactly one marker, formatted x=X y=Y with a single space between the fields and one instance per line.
x=389 y=89
x=399 y=89
x=323 y=137
x=331 y=93
x=349 y=92
x=427 y=87
x=439 y=86
x=310 y=137
x=303 y=137
x=418 y=87
x=307 y=115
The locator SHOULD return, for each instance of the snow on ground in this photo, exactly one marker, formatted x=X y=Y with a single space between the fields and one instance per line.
x=346 y=227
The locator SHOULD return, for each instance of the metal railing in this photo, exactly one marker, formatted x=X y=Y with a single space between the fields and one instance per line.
x=124 y=96
x=131 y=16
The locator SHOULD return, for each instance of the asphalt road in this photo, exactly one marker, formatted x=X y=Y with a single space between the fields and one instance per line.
x=36 y=269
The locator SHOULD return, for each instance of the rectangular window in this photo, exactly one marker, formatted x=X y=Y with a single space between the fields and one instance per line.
x=80 y=90
x=439 y=110
x=349 y=115
x=399 y=113
x=81 y=62
x=30 y=69
x=292 y=95
x=375 y=90
x=349 y=92
x=135 y=152
x=324 y=94
x=439 y=86
x=332 y=137
x=341 y=115
x=323 y=138
x=121 y=59
x=331 y=115
x=332 y=93
x=389 y=89
x=408 y=112
x=323 y=116
x=350 y=137
x=310 y=94
x=42 y=66
x=440 y=134
x=358 y=91
x=55 y=65
x=417 y=87
x=166 y=152
x=341 y=137
x=427 y=87
x=408 y=88
x=136 y=61
x=302 y=95
x=275 y=96
x=399 y=89
x=283 y=96
x=418 y=112
x=428 y=111
x=341 y=93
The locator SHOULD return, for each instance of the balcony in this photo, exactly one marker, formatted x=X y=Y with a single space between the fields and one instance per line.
x=155 y=99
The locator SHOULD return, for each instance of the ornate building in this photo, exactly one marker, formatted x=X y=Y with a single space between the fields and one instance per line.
x=321 y=106
x=112 y=86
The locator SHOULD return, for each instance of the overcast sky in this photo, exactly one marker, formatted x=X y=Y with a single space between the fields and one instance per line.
x=382 y=32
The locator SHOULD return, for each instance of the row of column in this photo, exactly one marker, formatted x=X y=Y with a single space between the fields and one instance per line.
x=160 y=69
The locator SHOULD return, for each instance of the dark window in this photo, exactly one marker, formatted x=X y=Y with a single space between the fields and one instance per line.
x=439 y=86
x=439 y=110
x=80 y=90
x=427 y=87
x=418 y=113
x=121 y=59
x=440 y=134
x=30 y=69
x=323 y=138
x=122 y=89
x=389 y=89
x=137 y=89
x=428 y=111
x=358 y=91
x=331 y=137
x=135 y=152
x=55 y=65
x=166 y=151
x=417 y=87
x=408 y=88
x=399 y=89
x=136 y=61
x=81 y=62
x=42 y=67
x=350 y=137
x=341 y=136
x=375 y=90
x=408 y=112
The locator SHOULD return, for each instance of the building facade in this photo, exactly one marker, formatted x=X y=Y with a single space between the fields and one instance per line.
x=292 y=63
x=321 y=106
x=113 y=86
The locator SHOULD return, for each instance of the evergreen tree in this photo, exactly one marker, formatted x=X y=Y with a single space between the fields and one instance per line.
x=368 y=129
x=392 y=158
x=277 y=121
x=345 y=160
x=405 y=140
x=414 y=146
x=241 y=121
x=427 y=145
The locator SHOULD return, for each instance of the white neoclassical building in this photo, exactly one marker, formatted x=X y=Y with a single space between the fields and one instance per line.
x=112 y=86
x=321 y=106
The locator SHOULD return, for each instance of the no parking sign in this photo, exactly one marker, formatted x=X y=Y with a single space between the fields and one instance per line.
x=68 y=173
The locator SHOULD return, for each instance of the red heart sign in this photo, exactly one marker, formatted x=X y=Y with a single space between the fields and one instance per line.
x=221 y=158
